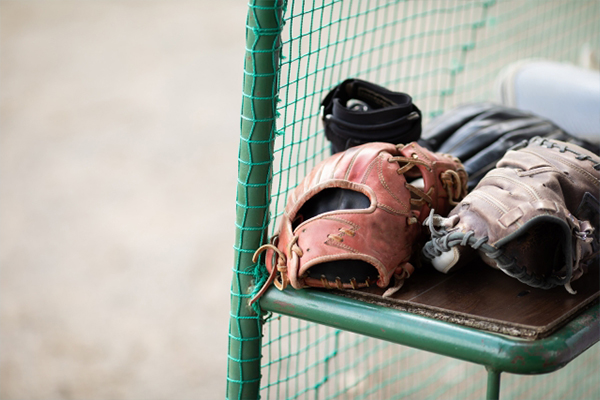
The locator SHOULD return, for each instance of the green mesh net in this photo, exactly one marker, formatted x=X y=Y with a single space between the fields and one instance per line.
x=302 y=360
x=443 y=53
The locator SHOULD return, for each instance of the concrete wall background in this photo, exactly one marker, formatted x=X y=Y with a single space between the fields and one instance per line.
x=119 y=132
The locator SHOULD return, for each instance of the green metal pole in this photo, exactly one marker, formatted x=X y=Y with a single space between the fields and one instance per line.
x=260 y=87
x=493 y=384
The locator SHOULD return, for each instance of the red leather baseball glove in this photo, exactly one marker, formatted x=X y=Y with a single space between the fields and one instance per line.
x=356 y=219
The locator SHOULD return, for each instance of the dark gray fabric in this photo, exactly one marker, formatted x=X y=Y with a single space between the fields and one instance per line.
x=479 y=134
x=357 y=112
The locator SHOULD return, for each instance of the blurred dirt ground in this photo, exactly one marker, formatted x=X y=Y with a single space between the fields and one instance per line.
x=119 y=127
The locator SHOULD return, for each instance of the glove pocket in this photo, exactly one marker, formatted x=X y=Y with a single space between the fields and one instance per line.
x=538 y=251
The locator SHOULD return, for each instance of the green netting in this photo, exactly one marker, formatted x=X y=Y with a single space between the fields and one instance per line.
x=260 y=87
x=308 y=361
x=443 y=53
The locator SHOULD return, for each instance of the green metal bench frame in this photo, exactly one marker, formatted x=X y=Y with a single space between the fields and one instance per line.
x=497 y=353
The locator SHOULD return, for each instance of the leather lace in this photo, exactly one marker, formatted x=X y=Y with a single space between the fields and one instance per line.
x=279 y=272
x=442 y=241
x=455 y=186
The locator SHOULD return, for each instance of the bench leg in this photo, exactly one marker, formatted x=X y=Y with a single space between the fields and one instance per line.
x=493 y=384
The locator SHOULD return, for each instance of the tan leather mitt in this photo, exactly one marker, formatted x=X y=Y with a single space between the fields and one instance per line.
x=355 y=219
x=535 y=216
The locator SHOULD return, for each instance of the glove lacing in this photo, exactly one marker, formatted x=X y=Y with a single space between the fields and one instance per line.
x=455 y=186
x=562 y=148
x=281 y=280
x=398 y=283
x=442 y=241
x=409 y=163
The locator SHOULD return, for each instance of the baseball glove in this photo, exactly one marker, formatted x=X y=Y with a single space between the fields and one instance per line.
x=535 y=216
x=357 y=112
x=479 y=134
x=355 y=220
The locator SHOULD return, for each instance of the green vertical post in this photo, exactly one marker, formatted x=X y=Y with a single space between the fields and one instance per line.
x=259 y=101
x=493 y=384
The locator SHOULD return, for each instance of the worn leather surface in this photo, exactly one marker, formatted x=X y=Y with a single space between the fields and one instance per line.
x=369 y=217
x=538 y=208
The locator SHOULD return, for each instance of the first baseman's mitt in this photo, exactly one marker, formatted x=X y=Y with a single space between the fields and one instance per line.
x=535 y=216
x=479 y=134
x=356 y=218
